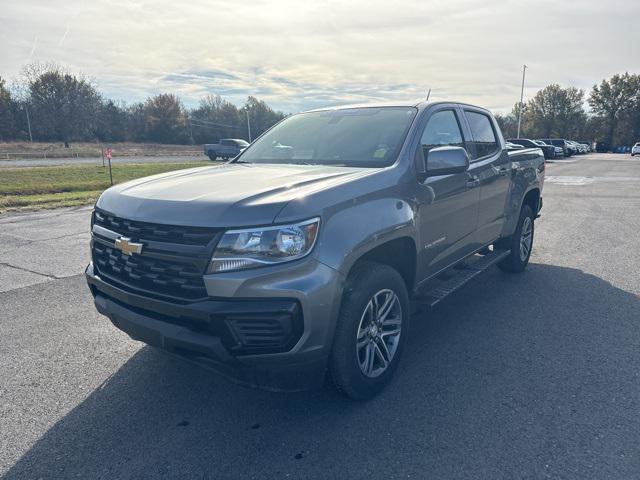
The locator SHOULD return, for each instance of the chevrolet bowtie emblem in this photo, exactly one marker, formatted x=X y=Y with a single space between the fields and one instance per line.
x=126 y=246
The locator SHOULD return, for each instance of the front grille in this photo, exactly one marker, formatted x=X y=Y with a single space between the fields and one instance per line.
x=183 y=280
x=154 y=231
x=172 y=262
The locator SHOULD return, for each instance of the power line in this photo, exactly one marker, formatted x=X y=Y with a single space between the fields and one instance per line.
x=213 y=124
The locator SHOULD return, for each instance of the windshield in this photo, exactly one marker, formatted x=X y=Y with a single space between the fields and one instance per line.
x=356 y=137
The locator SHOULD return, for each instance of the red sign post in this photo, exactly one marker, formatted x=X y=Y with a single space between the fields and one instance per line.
x=109 y=153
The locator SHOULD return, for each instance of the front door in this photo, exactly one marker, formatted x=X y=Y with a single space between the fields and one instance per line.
x=448 y=204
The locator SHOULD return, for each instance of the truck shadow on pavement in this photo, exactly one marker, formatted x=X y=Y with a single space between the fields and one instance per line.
x=530 y=375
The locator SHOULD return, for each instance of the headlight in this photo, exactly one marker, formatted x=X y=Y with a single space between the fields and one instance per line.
x=257 y=247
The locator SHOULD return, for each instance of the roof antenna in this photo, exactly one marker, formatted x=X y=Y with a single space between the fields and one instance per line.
x=428 y=95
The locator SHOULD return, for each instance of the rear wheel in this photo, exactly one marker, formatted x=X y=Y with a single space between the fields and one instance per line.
x=212 y=156
x=371 y=330
x=520 y=243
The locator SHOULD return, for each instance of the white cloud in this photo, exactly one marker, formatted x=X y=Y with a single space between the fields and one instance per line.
x=297 y=55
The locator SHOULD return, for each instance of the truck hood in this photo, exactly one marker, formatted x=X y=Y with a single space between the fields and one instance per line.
x=229 y=195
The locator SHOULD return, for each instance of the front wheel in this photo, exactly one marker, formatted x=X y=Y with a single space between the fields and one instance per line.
x=371 y=330
x=520 y=243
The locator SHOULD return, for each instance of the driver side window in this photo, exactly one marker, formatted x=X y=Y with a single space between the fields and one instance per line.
x=442 y=130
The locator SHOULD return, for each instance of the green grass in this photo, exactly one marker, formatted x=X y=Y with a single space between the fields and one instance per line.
x=21 y=150
x=50 y=187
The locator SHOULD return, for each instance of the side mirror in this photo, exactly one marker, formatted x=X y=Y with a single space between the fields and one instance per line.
x=442 y=161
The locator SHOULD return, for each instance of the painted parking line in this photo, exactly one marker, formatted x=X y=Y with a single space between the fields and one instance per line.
x=569 y=180
x=580 y=181
x=559 y=161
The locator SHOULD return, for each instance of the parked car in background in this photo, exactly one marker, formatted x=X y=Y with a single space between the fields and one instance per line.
x=582 y=149
x=622 y=149
x=549 y=151
x=512 y=146
x=635 y=150
x=557 y=151
x=587 y=145
x=602 y=147
x=567 y=148
x=227 y=148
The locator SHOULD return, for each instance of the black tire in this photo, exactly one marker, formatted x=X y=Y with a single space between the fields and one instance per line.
x=367 y=280
x=517 y=261
x=213 y=156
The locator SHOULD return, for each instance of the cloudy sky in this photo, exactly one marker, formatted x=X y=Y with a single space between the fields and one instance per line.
x=299 y=54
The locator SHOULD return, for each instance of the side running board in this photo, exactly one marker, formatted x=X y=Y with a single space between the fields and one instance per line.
x=457 y=277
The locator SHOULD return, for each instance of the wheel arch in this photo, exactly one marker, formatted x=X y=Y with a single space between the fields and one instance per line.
x=399 y=253
x=532 y=198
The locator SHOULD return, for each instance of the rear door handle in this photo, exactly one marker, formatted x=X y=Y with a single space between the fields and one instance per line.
x=473 y=182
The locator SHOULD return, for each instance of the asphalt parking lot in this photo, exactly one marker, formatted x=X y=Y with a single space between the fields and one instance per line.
x=529 y=376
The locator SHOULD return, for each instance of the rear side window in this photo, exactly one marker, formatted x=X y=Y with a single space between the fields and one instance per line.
x=484 y=137
x=442 y=130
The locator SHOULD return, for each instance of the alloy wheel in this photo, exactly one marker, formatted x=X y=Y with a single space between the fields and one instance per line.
x=379 y=333
x=526 y=238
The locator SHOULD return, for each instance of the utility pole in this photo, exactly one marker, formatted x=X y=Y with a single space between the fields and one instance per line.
x=524 y=70
x=191 y=131
x=26 y=110
x=248 y=125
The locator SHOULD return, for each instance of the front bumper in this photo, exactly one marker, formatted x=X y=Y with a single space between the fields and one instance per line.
x=227 y=332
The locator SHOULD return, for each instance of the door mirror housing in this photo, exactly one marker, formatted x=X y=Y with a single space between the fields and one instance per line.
x=445 y=160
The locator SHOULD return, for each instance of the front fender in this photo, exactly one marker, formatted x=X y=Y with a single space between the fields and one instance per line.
x=353 y=231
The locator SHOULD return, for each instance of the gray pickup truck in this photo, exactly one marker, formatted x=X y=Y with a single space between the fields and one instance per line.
x=298 y=261
x=227 y=148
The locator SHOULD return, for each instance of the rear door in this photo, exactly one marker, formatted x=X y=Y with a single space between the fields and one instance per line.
x=448 y=204
x=225 y=147
x=492 y=167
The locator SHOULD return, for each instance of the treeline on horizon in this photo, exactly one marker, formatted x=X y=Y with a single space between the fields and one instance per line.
x=557 y=112
x=67 y=107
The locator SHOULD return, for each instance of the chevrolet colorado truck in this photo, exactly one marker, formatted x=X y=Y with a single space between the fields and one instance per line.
x=227 y=148
x=300 y=260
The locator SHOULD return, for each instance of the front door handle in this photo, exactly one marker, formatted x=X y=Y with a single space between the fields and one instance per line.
x=473 y=182
x=503 y=171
